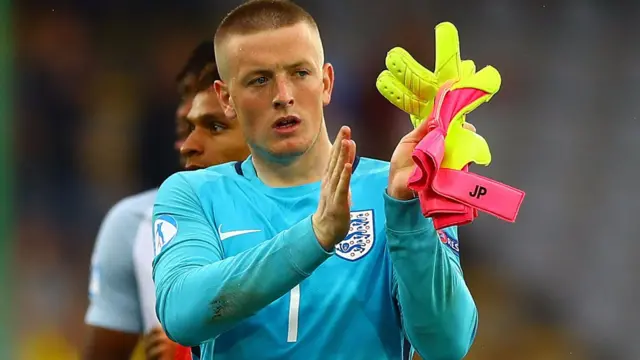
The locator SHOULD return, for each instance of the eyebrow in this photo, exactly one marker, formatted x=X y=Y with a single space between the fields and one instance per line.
x=207 y=117
x=259 y=71
x=298 y=64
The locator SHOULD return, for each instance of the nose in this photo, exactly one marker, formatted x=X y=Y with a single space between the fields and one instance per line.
x=192 y=145
x=283 y=97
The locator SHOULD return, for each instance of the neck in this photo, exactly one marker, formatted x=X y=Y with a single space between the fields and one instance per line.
x=304 y=169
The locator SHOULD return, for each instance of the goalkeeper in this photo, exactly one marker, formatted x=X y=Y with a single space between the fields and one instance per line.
x=304 y=250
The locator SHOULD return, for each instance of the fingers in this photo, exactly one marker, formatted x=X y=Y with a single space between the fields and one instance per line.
x=335 y=152
x=154 y=338
x=331 y=220
x=397 y=94
x=339 y=165
x=413 y=76
x=343 y=190
x=158 y=352
x=468 y=69
x=420 y=131
x=487 y=79
x=469 y=127
x=157 y=345
x=448 y=61
x=352 y=152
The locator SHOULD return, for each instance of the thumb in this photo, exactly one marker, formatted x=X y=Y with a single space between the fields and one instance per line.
x=448 y=62
x=416 y=120
x=420 y=131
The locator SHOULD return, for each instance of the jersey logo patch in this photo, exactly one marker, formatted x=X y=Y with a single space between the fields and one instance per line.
x=359 y=240
x=164 y=230
x=450 y=241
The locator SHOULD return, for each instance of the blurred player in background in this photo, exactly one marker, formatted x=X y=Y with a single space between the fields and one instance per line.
x=122 y=294
x=303 y=250
x=211 y=139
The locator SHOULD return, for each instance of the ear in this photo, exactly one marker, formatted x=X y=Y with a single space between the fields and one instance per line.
x=224 y=97
x=327 y=82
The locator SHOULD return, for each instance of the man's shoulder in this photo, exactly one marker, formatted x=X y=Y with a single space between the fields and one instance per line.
x=137 y=205
x=201 y=184
x=196 y=178
x=114 y=243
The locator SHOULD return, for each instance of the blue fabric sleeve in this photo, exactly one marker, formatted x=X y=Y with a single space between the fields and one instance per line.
x=113 y=293
x=439 y=316
x=200 y=293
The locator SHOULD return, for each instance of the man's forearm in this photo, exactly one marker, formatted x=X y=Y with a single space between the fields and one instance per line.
x=438 y=312
x=199 y=303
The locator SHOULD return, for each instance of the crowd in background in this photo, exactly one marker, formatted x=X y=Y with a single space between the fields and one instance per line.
x=94 y=112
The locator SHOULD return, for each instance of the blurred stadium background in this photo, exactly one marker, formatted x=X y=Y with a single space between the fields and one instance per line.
x=93 y=102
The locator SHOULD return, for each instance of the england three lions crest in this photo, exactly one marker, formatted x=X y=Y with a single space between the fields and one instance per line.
x=359 y=240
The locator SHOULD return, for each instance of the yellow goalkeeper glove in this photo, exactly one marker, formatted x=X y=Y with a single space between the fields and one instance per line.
x=412 y=88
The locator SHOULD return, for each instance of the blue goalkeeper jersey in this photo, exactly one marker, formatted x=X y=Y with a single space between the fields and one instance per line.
x=239 y=272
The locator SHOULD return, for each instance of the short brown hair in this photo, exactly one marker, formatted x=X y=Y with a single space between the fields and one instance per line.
x=259 y=15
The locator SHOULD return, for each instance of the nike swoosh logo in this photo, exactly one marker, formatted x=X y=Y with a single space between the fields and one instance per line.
x=228 y=234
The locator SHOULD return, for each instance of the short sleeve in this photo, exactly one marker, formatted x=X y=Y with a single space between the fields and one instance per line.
x=142 y=260
x=113 y=294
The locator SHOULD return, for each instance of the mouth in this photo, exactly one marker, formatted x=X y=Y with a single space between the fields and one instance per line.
x=287 y=123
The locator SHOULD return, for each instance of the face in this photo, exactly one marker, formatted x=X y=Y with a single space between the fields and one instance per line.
x=182 y=125
x=277 y=86
x=212 y=137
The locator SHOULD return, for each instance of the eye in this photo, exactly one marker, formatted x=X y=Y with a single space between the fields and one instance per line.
x=216 y=127
x=259 y=81
x=302 y=73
